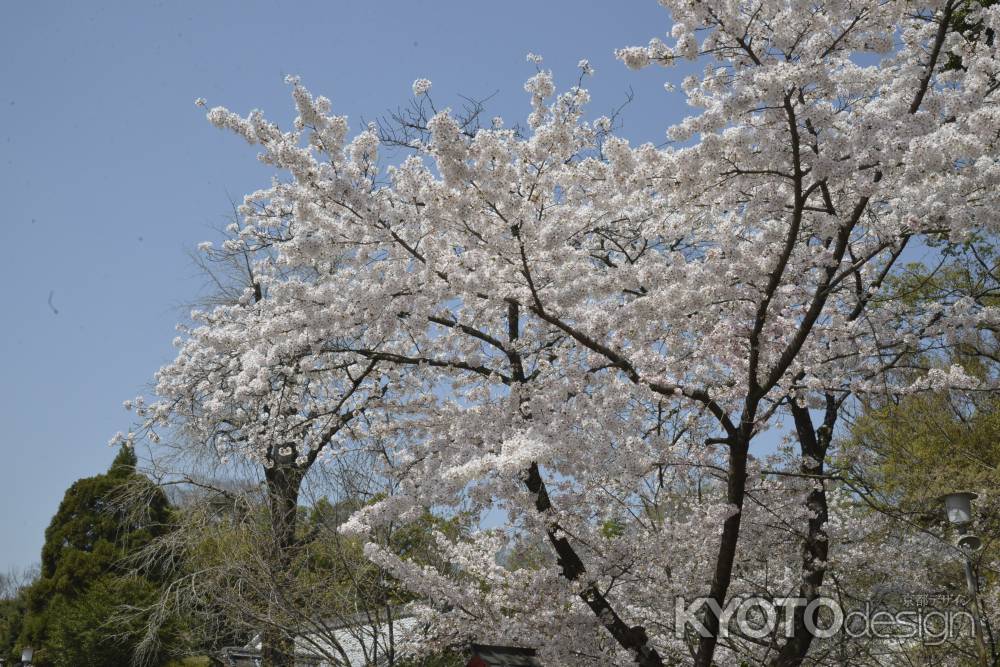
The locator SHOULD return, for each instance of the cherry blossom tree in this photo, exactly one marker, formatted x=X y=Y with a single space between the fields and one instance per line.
x=234 y=402
x=588 y=337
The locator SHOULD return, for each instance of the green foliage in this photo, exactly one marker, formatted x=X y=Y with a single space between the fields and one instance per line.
x=904 y=453
x=229 y=585
x=81 y=629
x=72 y=610
x=612 y=528
x=925 y=446
x=12 y=613
x=333 y=568
x=931 y=444
x=194 y=661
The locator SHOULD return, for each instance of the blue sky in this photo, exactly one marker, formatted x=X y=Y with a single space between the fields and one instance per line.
x=109 y=173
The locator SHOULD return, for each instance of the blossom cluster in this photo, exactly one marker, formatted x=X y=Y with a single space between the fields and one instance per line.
x=586 y=336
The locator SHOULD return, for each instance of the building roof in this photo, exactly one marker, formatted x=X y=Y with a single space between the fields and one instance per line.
x=353 y=639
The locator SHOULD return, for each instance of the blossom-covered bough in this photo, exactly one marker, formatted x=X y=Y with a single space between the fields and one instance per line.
x=588 y=336
x=279 y=407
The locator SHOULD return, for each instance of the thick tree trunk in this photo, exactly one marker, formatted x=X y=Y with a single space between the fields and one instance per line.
x=735 y=492
x=815 y=546
x=283 y=483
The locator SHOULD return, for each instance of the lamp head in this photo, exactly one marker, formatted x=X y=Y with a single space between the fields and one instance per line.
x=27 y=653
x=969 y=543
x=958 y=507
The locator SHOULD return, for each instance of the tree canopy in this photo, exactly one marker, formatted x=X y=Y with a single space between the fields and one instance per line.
x=84 y=580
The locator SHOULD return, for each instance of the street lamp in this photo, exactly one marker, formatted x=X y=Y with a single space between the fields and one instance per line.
x=958 y=507
x=27 y=653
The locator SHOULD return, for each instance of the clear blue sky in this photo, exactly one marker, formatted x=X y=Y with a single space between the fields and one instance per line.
x=108 y=173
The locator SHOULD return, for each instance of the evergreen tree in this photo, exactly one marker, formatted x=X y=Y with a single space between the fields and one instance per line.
x=84 y=581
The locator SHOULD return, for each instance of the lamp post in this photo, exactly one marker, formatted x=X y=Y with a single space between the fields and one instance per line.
x=958 y=507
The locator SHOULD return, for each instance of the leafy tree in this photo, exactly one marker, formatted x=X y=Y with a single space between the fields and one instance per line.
x=903 y=453
x=221 y=577
x=929 y=443
x=11 y=619
x=84 y=580
x=317 y=413
x=79 y=631
x=13 y=606
x=932 y=444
